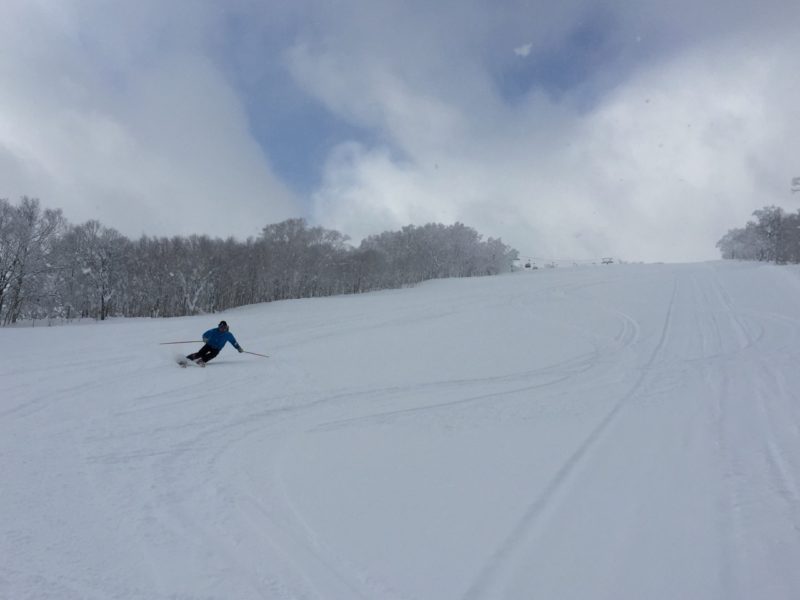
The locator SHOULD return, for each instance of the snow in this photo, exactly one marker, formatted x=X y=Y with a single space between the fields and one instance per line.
x=616 y=431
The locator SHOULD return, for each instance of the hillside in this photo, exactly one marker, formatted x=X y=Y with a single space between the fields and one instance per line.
x=619 y=432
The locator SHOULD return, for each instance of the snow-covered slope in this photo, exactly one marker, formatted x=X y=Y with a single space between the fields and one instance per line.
x=619 y=432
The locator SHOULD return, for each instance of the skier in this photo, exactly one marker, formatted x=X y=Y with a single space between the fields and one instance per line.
x=214 y=340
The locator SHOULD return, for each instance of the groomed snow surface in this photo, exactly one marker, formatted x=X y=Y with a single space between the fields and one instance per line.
x=600 y=432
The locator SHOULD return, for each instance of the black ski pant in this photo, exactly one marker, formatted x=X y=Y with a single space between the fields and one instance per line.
x=206 y=353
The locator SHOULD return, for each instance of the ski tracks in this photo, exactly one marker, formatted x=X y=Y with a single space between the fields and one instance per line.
x=491 y=581
x=755 y=416
x=704 y=342
x=508 y=387
x=291 y=535
x=197 y=487
x=759 y=434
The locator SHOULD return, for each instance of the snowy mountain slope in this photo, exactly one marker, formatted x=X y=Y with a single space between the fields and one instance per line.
x=598 y=432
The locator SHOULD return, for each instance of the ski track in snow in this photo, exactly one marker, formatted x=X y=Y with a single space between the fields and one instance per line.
x=610 y=432
x=503 y=557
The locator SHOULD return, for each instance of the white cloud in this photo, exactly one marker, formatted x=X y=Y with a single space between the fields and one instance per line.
x=147 y=141
x=658 y=170
x=654 y=152
x=523 y=50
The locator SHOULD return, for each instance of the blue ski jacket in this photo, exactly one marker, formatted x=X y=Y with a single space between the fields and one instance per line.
x=217 y=339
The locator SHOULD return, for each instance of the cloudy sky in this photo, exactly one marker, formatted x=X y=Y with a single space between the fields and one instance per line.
x=640 y=129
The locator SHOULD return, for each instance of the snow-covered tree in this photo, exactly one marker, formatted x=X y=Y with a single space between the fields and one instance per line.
x=49 y=268
x=96 y=264
x=773 y=236
x=27 y=236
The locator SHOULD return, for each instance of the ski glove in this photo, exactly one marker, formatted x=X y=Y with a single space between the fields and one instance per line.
x=240 y=350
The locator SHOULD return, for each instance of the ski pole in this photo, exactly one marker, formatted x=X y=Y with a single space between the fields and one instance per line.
x=256 y=354
x=189 y=342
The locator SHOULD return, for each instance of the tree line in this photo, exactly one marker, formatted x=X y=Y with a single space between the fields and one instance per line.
x=51 y=269
x=774 y=236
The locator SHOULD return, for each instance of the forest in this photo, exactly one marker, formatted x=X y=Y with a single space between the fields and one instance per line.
x=772 y=236
x=53 y=270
